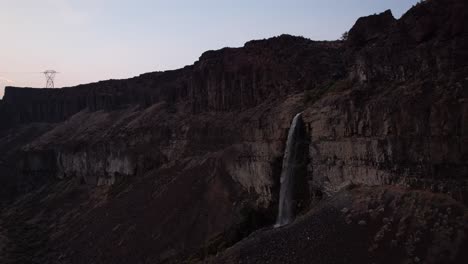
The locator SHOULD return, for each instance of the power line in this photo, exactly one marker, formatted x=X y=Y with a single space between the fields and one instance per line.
x=19 y=72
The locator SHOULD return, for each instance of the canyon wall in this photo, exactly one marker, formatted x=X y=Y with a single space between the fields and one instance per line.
x=405 y=119
x=386 y=106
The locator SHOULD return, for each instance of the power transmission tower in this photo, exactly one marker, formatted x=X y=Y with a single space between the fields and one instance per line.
x=50 y=75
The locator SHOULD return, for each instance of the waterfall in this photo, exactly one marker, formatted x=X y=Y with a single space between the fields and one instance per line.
x=291 y=162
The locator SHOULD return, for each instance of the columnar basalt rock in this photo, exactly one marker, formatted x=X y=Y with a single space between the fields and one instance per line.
x=388 y=106
x=393 y=111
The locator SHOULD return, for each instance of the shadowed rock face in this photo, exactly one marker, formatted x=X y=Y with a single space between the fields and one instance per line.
x=371 y=28
x=171 y=165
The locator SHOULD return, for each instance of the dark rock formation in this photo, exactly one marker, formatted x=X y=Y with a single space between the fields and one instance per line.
x=226 y=80
x=371 y=28
x=178 y=165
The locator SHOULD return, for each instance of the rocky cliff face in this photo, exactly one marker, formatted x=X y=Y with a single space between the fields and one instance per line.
x=404 y=120
x=172 y=164
x=222 y=103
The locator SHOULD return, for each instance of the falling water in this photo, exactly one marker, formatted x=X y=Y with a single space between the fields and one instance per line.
x=290 y=163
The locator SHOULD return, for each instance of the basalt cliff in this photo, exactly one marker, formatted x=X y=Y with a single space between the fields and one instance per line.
x=184 y=166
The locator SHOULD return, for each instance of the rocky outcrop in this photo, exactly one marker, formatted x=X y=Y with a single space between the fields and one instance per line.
x=236 y=79
x=379 y=143
x=427 y=43
x=403 y=118
x=371 y=28
x=25 y=105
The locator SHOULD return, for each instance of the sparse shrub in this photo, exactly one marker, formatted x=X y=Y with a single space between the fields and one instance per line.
x=344 y=36
x=420 y=2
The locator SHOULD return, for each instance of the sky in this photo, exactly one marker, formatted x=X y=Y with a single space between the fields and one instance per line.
x=91 y=40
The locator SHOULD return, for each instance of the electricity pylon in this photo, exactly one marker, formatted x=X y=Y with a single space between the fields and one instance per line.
x=50 y=75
